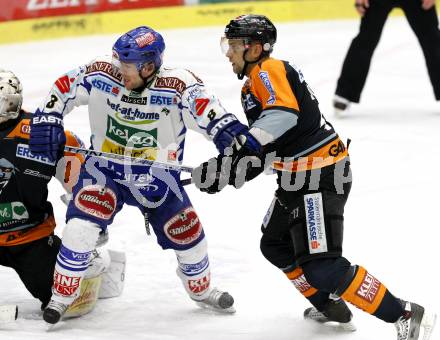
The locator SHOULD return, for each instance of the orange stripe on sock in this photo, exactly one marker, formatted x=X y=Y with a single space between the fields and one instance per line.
x=300 y=282
x=365 y=291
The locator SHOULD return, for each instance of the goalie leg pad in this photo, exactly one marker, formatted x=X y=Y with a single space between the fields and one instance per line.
x=86 y=301
x=113 y=279
x=193 y=269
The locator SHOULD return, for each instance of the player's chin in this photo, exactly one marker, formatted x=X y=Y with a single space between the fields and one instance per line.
x=128 y=85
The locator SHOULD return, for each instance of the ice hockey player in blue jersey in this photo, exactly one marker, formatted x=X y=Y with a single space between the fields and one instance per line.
x=137 y=108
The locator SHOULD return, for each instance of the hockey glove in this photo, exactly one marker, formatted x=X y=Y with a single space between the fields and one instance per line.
x=47 y=135
x=209 y=177
x=239 y=165
x=225 y=130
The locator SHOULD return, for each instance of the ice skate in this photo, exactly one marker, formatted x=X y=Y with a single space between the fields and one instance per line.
x=54 y=311
x=335 y=310
x=341 y=106
x=218 y=301
x=415 y=324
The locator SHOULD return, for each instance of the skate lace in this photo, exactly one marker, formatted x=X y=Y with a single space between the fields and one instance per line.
x=58 y=306
x=314 y=314
x=402 y=327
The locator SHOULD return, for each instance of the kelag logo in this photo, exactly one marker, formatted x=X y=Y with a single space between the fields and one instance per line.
x=135 y=138
x=105 y=87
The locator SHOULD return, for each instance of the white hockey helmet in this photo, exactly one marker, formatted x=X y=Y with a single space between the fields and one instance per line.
x=11 y=96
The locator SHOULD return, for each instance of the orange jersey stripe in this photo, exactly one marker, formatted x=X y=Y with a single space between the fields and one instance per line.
x=40 y=231
x=270 y=85
x=22 y=130
x=329 y=154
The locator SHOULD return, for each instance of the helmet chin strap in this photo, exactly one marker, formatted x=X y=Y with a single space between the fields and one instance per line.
x=147 y=81
x=241 y=75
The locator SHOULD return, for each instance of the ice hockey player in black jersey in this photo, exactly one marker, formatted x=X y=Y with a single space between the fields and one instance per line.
x=27 y=240
x=303 y=228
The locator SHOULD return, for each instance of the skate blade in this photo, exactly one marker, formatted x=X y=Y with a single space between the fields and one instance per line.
x=49 y=326
x=230 y=310
x=427 y=325
x=343 y=326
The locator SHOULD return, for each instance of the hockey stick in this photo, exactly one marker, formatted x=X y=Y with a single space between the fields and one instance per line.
x=108 y=155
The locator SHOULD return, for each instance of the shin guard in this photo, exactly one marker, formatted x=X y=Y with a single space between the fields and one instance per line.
x=296 y=276
x=362 y=289
x=193 y=269
x=79 y=239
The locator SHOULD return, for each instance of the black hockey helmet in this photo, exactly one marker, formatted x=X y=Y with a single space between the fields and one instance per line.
x=253 y=27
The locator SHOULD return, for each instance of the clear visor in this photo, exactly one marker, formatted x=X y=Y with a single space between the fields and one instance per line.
x=10 y=105
x=124 y=67
x=232 y=45
x=116 y=63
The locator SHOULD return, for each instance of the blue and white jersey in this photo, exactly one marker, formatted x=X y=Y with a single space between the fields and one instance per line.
x=150 y=123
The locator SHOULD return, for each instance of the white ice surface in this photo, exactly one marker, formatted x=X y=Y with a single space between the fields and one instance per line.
x=391 y=221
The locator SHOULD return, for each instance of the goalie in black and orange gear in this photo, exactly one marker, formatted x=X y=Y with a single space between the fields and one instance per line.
x=27 y=240
x=28 y=244
x=303 y=229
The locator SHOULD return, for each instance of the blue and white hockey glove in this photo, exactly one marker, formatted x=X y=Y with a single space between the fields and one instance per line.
x=47 y=135
x=225 y=130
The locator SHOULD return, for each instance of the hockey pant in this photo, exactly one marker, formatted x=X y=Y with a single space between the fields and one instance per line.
x=34 y=263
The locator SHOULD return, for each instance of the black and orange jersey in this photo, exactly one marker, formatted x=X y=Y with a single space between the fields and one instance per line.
x=283 y=114
x=25 y=213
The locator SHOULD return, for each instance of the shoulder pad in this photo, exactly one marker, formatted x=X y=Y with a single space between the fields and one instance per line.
x=103 y=65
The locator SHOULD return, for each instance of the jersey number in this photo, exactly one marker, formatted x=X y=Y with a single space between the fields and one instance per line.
x=51 y=103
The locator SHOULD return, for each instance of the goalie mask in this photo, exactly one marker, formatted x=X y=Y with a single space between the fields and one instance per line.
x=11 y=96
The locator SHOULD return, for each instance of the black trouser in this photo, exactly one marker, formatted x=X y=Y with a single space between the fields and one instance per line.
x=285 y=241
x=286 y=224
x=34 y=263
x=357 y=61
